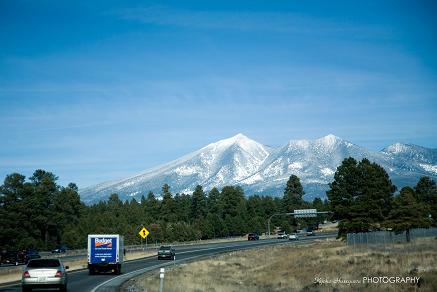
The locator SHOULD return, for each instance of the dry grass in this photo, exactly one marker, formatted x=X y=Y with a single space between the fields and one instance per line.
x=295 y=267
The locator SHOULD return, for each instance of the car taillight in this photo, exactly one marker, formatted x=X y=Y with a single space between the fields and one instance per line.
x=26 y=274
x=58 y=274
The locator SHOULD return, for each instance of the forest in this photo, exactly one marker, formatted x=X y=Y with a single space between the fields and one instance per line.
x=38 y=213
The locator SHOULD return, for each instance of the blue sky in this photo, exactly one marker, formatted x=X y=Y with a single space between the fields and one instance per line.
x=100 y=90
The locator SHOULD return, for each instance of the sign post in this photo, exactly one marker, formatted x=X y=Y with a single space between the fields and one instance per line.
x=144 y=233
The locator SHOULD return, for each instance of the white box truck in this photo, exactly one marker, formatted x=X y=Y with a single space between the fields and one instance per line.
x=105 y=253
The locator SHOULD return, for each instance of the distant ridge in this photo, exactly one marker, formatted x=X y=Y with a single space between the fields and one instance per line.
x=260 y=169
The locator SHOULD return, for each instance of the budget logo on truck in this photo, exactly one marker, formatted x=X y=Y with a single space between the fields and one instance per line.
x=103 y=242
x=105 y=253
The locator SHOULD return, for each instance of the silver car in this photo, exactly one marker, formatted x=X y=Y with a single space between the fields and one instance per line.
x=293 y=237
x=44 y=273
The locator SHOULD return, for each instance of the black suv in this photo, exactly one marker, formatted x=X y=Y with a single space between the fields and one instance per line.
x=166 y=252
x=253 y=236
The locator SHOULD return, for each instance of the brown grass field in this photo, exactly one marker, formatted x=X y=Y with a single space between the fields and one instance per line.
x=295 y=267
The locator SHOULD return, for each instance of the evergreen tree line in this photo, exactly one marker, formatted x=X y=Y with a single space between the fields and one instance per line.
x=363 y=198
x=39 y=213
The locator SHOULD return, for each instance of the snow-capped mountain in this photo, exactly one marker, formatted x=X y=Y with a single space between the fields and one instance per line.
x=408 y=162
x=260 y=169
x=225 y=162
x=313 y=161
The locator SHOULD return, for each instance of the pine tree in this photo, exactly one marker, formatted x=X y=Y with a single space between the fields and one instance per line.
x=16 y=227
x=360 y=196
x=167 y=209
x=344 y=187
x=198 y=204
x=67 y=207
x=44 y=191
x=234 y=210
x=293 y=194
x=151 y=208
x=407 y=213
x=426 y=191
x=182 y=207
x=214 y=202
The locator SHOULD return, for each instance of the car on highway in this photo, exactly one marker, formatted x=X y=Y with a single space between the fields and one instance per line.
x=252 y=236
x=43 y=274
x=310 y=233
x=9 y=258
x=60 y=249
x=23 y=257
x=282 y=235
x=293 y=236
x=166 y=252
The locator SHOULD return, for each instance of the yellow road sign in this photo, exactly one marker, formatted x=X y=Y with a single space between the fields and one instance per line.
x=144 y=232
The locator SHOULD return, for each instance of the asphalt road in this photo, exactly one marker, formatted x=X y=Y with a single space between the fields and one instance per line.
x=80 y=281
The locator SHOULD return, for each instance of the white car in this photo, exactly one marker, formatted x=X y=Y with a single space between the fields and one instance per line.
x=282 y=235
x=293 y=237
x=44 y=273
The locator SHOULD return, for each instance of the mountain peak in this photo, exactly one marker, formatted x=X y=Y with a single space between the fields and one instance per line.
x=238 y=139
x=329 y=138
x=241 y=141
x=396 y=148
x=399 y=148
x=327 y=141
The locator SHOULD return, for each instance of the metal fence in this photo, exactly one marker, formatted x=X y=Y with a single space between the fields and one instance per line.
x=388 y=237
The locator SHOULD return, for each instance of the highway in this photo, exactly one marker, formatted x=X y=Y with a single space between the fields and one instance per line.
x=80 y=281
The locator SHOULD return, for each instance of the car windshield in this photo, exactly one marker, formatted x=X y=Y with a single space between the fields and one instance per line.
x=44 y=263
x=165 y=248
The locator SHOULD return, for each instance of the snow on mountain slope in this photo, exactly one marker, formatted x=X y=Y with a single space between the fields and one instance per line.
x=412 y=153
x=316 y=161
x=313 y=161
x=222 y=163
x=263 y=170
x=407 y=159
